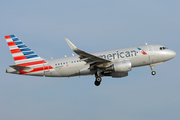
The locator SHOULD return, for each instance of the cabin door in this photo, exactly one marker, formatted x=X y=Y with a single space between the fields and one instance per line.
x=46 y=69
x=150 y=53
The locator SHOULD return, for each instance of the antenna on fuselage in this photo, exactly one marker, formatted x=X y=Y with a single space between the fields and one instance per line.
x=146 y=43
x=65 y=56
x=72 y=54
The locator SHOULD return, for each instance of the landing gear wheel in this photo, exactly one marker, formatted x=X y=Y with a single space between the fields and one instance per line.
x=97 y=81
x=153 y=72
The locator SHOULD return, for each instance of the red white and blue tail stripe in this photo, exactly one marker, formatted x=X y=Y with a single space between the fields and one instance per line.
x=24 y=56
x=20 y=52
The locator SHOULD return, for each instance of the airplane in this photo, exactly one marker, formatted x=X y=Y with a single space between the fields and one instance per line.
x=115 y=63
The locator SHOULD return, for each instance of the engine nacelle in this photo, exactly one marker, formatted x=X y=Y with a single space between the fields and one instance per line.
x=119 y=74
x=123 y=66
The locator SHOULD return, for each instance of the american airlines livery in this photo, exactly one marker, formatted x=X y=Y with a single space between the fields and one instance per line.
x=115 y=63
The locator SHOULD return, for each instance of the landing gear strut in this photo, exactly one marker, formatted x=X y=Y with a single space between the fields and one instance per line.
x=153 y=72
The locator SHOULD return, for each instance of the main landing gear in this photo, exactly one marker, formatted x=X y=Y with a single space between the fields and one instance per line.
x=153 y=72
x=98 y=81
x=98 y=76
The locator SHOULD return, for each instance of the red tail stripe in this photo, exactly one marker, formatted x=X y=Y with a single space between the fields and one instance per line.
x=19 y=58
x=15 y=51
x=36 y=69
x=32 y=63
x=7 y=37
x=11 y=43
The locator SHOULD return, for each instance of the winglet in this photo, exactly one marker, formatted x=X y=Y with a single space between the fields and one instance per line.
x=86 y=56
x=71 y=45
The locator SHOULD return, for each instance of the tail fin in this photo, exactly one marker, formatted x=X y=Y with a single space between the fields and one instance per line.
x=22 y=54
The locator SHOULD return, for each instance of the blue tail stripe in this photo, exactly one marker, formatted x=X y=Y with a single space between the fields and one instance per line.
x=16 y=39
x=26 y=49
x=22 y=46
x=18 y=43
x=32 y=56
x=27 y=53
x=12 y=36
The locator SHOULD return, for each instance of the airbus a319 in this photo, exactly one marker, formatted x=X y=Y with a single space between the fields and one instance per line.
x=115 y=63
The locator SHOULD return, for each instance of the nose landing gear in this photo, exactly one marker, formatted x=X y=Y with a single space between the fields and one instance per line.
x=153 y=72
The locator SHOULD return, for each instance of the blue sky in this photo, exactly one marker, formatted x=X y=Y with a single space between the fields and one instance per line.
x=93 y=26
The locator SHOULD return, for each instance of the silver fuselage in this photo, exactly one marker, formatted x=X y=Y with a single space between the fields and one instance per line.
x=72 y=66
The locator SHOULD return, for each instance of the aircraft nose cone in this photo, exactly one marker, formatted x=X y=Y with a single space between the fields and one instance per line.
x=173 y=54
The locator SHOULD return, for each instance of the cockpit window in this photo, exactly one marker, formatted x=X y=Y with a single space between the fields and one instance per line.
x=163 y=48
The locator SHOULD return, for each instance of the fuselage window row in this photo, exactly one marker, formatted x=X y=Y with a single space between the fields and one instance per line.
x=67 y=62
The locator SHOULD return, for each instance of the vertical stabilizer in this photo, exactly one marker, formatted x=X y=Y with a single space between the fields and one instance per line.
x=27 y=61
x=20 y=52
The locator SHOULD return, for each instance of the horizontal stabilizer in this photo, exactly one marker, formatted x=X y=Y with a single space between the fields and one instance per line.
x=21 y=68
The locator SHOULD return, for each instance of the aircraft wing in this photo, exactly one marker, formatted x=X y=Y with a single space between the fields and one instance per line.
x=87 y=57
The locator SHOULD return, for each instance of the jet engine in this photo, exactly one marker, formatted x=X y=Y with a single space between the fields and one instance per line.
x=123 y=66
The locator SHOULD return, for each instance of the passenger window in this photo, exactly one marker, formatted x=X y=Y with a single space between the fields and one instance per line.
x=56 y=64
x=74 y=61
x=64 y=63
